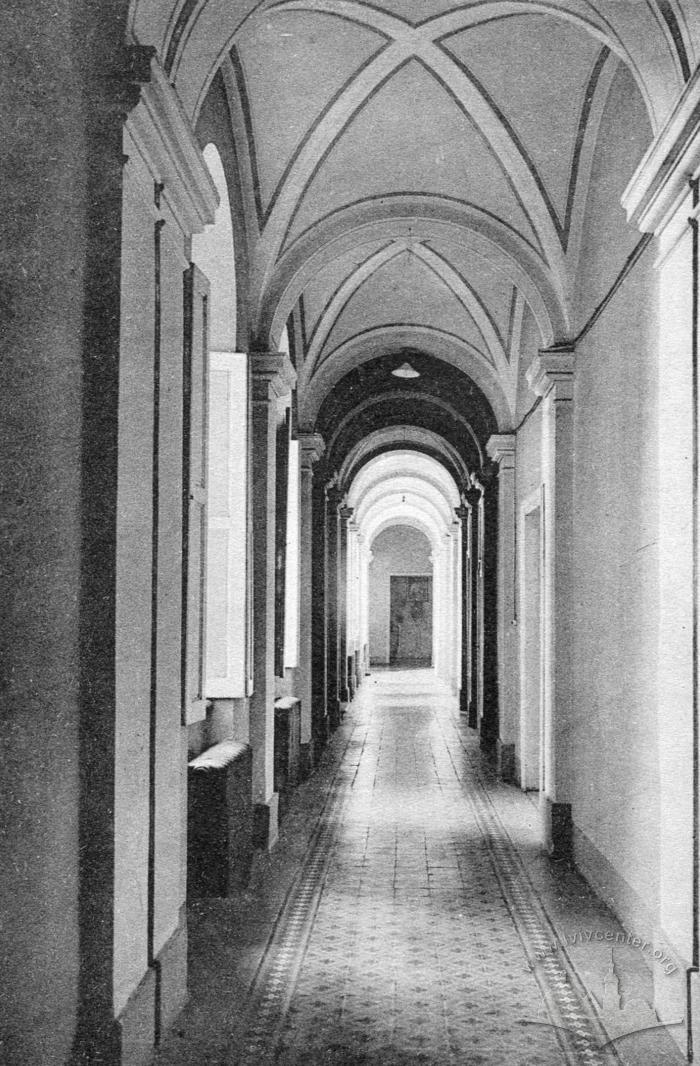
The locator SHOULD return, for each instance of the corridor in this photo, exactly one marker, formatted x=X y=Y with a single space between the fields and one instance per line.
x=421 y=923
x=350 y=473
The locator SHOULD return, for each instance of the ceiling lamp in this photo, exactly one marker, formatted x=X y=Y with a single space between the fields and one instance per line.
x=405 y=371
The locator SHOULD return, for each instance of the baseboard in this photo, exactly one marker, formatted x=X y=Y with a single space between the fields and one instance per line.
x=320 y=732
x=137 y=1023
x=335 y=714
x=505 y=761
x=557 y=828
x=266 y=823
x=488 y=746
x=671 y=997
x=306 y=759
x=171 y=971
x=156 y=1002
x=609 y=885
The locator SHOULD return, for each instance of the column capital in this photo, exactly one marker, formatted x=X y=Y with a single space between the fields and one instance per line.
x=471 y=497
x=312 y=446
x=553 y=369
x=345 y=513
x=501 y=449
x=273 y=375
x=353 y=527
x=482 y=479
x=159 y=126
x=334 y=493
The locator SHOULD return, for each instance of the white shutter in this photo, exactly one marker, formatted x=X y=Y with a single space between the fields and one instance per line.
x=194 y=484
x=227 y=526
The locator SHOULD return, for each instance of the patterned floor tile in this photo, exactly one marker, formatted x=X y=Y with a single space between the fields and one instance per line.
x=412 y=920
x=412 y=949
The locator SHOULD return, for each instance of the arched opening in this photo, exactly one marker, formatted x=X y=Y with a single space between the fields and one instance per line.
x=376 y=478
x=400 y=599
x=408 y=592
x=236 y=234
x=225 y=557
x=213 y=252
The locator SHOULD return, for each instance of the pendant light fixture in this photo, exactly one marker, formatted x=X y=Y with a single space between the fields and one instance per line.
x=405 y=371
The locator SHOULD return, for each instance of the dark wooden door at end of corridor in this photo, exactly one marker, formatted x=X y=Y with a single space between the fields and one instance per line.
x=411 y=620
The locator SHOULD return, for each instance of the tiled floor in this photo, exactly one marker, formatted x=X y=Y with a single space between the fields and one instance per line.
x=416 y=926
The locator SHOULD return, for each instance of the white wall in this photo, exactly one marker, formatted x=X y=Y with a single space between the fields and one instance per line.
x=397 y=550
x=615 y=789
x=613 y=775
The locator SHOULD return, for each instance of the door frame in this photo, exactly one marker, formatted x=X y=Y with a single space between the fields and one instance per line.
x=530 y=746
x=415 y=577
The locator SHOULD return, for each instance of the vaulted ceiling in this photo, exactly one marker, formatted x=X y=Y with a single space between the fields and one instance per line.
x=413 y=174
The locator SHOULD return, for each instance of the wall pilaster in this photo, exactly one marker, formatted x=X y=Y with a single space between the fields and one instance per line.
x=272 y=376
x=501 y=449
x=663 y=199
x=551 y=376
x=333 y=709
x=312 y=448
x=345 y=513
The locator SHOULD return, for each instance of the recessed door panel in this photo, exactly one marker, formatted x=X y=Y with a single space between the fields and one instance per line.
x=411 y=621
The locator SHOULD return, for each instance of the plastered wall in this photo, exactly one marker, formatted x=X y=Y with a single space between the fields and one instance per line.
x=615 y=759
x=51 y=267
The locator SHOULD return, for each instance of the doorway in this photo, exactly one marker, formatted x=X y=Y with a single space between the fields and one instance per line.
x=411 y=620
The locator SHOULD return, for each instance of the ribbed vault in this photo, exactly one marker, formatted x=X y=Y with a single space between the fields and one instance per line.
x=416 y=175
x=443 y=405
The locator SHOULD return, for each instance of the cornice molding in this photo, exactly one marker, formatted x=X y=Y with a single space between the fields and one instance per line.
x=312 y=447
x=661 y=181
x=273 y=373
x=553 y=369
x=484 y=478
x=501 y=449
x=165 y=137
x=334 y=493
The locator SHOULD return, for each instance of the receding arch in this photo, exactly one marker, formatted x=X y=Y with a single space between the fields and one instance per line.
x=408 y=217
x=409 y=438
x=382 y=342
x=417 y=487
x=374 y=401
x=392 y=511
x=213 y=252
x=409 y=471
